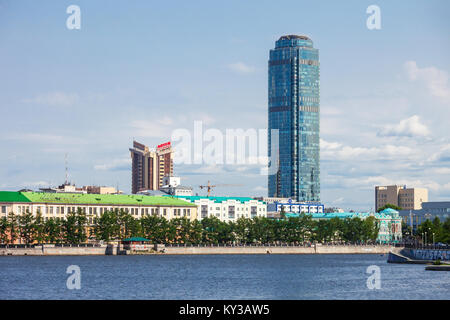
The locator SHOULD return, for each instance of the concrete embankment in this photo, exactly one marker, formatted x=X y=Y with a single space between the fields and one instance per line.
x=417 y=256
x=319 y=249
x=47 y=250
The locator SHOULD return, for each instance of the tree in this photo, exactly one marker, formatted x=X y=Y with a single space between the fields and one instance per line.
x=69 y=228
x=105 y=226
x=52 y=230
x=13 y=227
x=282 y=212
x=389 y=205
x=4 y=226
x=38 y=226
x=370 y=229
x=26 y=227
x=241 y=229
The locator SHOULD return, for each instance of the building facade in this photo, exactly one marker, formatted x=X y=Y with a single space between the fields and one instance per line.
x=294 y=111
x=150 y=166
x=172 y=186
x=429 y=211
x=388 y=221
x=295 y=207
x=59 y=205
x=227 y=208
x=401 y=196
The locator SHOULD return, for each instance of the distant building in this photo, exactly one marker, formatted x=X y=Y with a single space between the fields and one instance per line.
x=429 y=211
x=401 y=196
x=290 y=206
x=64 y=188
x=227 y=208
x=333 y=209
x=69 y=188
x=272 y=199
x=150 y=166
x=173 y=187
x=101 y=190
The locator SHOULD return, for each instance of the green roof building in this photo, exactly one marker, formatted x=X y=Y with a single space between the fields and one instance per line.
x=60 y=204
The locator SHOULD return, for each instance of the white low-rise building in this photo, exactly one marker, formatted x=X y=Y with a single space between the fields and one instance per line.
x=227 y=208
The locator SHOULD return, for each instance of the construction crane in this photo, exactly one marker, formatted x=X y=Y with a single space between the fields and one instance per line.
x=209 y=186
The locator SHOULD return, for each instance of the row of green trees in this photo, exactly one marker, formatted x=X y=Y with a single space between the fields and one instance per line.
x=435 y=230
x=116 y=225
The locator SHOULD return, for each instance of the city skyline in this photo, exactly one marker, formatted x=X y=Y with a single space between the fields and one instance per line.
x=87 y=92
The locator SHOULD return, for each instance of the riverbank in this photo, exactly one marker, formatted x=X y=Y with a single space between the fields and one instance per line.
x=46 y=250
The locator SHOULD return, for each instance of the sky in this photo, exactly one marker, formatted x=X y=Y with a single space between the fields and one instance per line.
x=142 y=69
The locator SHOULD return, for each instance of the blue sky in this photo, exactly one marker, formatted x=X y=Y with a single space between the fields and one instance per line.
x=145 y=68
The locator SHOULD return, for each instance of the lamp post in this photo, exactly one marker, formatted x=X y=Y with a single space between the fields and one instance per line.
x=425 y=238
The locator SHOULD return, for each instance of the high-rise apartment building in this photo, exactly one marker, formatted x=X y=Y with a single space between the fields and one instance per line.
x=149 y=166
x=294 y=111
x=401 y=196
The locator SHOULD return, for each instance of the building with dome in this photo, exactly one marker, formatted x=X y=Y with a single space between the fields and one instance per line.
x=388 y=220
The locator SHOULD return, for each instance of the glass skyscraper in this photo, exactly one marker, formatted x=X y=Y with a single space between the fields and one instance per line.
x=294 y=111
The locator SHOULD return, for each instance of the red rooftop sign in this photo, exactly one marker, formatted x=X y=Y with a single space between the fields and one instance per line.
x=164 y=146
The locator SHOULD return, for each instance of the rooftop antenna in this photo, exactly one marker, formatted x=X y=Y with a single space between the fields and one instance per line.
x=67 y=170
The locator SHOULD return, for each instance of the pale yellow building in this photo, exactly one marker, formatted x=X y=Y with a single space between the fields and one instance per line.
x=59 y=205
x=406 y=198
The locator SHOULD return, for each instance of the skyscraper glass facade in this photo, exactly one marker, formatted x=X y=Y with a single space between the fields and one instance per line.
x=294 y=110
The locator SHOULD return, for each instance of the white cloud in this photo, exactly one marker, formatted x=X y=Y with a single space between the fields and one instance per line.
x=114 y=165
x=43 y=138
x=325 y=145
x=434 y=79
x=35 y=184
x=410 y=127
x=241 y=67
x=337 y=151
x=54 y=99
x=260 y=189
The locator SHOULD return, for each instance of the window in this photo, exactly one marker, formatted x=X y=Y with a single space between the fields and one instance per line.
x=204 y=211
x=231 y=212
x=3 y=209
x=253 y=211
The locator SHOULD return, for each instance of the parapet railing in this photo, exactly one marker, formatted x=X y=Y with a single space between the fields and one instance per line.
x=434 y=246
x=304 y=245
x=65 y=245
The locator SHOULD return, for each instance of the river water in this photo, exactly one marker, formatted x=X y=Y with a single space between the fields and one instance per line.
x=218 y=277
